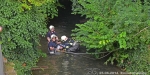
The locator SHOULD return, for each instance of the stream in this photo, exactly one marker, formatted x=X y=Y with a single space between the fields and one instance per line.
x=71 y=64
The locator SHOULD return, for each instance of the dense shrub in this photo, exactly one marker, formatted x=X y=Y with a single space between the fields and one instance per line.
x=117 y=26
x=23 y=22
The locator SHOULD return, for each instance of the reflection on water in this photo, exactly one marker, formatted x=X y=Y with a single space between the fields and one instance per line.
x=68 y=64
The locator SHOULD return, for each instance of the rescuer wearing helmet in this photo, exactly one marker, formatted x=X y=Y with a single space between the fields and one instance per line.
x=50 y=32
x=69 y=44
x=53 y=46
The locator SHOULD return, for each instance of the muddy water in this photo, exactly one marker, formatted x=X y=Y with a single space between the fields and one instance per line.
x=71 y=64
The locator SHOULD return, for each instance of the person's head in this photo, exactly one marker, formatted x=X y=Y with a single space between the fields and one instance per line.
x=53 y=37
x=51 y=27
x=64 y=38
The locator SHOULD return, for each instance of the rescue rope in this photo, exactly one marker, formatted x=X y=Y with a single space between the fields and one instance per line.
x=93 y=53
x=96 y=58
x=85 y=53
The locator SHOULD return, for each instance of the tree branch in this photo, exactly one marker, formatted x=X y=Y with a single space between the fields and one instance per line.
x=141 y=31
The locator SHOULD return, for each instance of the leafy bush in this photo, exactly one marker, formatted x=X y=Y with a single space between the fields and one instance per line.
x=23 y=23
x=120 y=27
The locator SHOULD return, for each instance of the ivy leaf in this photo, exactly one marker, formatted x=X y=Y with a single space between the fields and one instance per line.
x=25 y=6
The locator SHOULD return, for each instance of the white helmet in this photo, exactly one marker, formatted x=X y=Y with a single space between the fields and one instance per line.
x=53 y=36
x=63 y=38
x=51 y=27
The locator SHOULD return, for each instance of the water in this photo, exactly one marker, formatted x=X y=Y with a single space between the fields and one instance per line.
x=74 y=64
x=68 y=64
x=71 y=64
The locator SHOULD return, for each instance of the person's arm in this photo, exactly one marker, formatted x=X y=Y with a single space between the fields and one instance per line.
x=57 y=38
x=52 y=48
x=58 y=42
x=48 y=37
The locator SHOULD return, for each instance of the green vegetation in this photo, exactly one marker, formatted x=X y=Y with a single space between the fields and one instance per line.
x=120 y=27
x=117 y=26
x=24 y=21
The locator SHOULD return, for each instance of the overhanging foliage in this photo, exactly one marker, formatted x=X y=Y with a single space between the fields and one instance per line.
x=118 y=26
x=23 y=22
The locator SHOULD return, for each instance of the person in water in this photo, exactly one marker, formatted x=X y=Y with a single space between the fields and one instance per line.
x=69 y=44
x=50 y=32
x=53 y=46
